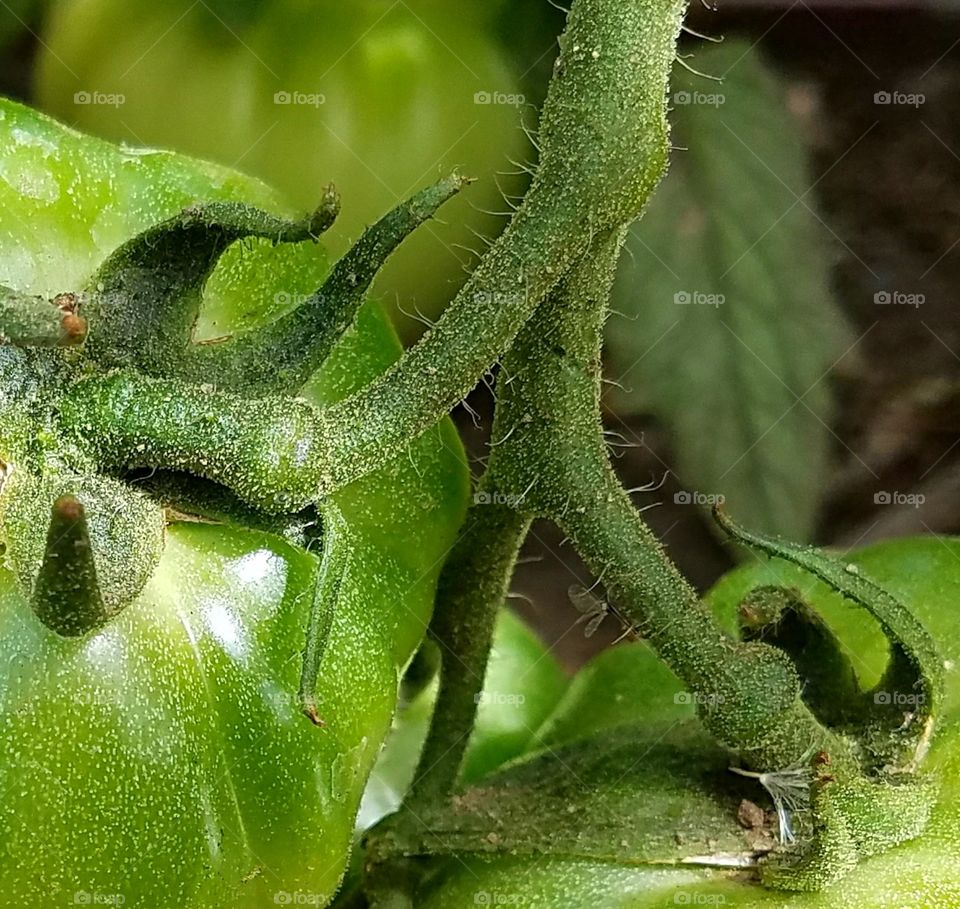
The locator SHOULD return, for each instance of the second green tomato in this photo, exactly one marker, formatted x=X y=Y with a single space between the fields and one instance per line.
x=378 y=97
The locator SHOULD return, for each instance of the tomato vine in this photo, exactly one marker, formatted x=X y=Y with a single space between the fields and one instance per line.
x=121 y=391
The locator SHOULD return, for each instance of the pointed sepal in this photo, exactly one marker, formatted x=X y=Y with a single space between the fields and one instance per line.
x=143 y=302
x=332 y=572
x=282 y=356
x=66 y=596
x=82 y=547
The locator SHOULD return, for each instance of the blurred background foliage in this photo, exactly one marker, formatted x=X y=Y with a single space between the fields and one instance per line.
x=785 y=334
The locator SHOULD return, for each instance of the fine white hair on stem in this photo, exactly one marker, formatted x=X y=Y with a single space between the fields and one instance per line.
x=682 y=61
x=652 y=486
x=789 y=789
x=713 y=39
x=474 y=416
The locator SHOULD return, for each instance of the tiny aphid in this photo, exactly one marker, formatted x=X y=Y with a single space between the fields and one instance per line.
x=592 y=609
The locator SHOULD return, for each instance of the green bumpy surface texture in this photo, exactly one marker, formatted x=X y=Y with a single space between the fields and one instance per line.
x=163 y=762
x=924 y=573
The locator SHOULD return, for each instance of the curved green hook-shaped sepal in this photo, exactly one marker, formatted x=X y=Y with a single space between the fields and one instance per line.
x=330 y=577
x=282 y=356
x=143 y=302
x=780 y=617
x=915 y=672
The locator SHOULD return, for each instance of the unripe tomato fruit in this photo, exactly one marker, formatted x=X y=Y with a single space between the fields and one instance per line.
x=162 y=761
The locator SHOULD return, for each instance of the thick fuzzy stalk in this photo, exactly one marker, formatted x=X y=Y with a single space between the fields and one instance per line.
x=748 y=694
x=603 y=140
x=473 y=587
x=266 y=450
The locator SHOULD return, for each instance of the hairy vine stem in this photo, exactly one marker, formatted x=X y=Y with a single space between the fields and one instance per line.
x=549 y=460
x=603 y=140
x=747 y=694
x=472 y=588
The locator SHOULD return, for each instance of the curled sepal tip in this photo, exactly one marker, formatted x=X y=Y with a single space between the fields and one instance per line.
x=31 y=321
x=283 y=355
x=915 y=667
x=143 y=302
x=66 y=596
x=331 y=573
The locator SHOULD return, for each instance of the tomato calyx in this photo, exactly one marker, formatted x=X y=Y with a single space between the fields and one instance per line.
x=110 y=379
x=872 y=795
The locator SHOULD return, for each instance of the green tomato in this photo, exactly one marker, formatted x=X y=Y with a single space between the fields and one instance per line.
x=162 y=761
x=378 y=97
x=922 y=874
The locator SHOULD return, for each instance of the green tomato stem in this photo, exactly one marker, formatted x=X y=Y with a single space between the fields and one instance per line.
x=472 y=590
x=747 y=694
x=603 y=144
x=265 y=450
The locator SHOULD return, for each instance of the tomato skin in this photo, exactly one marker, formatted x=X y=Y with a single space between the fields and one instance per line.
x=162 y=762
x=379 y=98
x=924 y=873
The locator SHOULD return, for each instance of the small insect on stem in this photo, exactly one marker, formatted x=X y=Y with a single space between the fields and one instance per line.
x=592 y=609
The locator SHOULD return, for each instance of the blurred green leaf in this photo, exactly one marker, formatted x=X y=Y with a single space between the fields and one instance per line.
x=734 y=327
x=16 y=17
